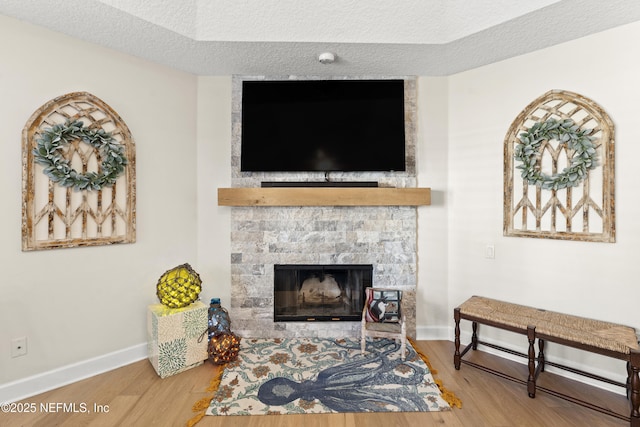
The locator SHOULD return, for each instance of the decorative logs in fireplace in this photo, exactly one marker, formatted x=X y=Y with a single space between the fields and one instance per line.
x=334 y=292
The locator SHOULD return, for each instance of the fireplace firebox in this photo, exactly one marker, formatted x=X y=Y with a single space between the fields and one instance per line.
x=310 y=293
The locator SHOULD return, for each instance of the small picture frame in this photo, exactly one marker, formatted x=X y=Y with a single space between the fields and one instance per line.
x=384 y=305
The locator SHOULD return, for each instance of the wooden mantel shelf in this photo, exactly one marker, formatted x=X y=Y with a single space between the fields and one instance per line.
x=324 y=196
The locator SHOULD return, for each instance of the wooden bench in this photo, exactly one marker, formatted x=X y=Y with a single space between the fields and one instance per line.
x=608 y=339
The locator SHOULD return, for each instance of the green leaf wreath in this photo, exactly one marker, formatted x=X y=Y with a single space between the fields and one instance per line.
x=48 y=152
x=566 y=132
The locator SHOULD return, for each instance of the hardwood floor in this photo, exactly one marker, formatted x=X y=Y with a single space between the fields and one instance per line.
x=135 y=396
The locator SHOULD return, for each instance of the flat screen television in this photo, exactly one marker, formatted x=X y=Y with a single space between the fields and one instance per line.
x=322 y=125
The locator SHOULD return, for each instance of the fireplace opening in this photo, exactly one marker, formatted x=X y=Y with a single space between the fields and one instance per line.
x=311 y=293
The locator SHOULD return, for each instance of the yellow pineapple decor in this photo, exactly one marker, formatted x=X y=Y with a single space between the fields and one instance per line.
x=179 y=287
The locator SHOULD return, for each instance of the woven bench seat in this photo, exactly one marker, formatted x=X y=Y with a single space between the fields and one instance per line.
x=609 y=339
x=603 y=335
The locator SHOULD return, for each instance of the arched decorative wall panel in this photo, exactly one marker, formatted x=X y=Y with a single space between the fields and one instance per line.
x=585 y=209
x=58 y=216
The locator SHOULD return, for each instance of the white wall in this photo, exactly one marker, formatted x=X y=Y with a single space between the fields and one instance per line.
x=81 y=303
x=214 y=170
x=432 y=296
x=598 y=280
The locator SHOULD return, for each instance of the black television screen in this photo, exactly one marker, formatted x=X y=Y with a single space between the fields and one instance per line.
x=322 y=125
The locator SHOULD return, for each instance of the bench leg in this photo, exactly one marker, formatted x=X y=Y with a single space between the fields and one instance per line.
x=456 y=354
x=634 y=363
x=531 y=382
x=474 y=335
x=541 y=355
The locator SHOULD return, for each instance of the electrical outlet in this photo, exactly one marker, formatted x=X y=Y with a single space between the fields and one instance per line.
x=490 y=251
x=19 y=347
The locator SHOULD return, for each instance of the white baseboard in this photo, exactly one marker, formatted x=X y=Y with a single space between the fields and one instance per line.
x=46 y=381
x=432 y=333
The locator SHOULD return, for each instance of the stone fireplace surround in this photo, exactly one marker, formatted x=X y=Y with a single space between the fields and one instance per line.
x=384 y=236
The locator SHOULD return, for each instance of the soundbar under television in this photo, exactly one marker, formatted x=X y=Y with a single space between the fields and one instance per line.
x=323 y=126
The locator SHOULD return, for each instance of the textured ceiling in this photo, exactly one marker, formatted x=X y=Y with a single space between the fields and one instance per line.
x=284 y=37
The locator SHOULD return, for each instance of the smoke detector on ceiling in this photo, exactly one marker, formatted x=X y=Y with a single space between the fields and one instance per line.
x=326 y=58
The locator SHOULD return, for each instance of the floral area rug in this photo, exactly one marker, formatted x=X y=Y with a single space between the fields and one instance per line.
x=314 y=375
